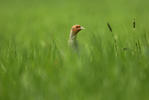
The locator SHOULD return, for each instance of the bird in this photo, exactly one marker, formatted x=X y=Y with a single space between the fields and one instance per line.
x=72 y=42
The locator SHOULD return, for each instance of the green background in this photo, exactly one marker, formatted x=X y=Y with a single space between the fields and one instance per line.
x=37 y=64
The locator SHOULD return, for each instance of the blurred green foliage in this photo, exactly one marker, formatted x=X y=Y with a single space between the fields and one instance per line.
x=36 y=63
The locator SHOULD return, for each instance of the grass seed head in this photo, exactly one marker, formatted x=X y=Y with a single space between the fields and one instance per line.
x=109 y=27
x=134 y=23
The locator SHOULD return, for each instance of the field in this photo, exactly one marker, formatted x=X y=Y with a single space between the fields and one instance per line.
x=37 y=64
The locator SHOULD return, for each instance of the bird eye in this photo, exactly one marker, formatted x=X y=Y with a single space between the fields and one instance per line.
x=77 y=26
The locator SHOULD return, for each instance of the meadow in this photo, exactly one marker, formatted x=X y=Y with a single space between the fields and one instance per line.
x=37 y=64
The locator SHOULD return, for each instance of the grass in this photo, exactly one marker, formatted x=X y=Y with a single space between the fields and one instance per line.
x=36 y=63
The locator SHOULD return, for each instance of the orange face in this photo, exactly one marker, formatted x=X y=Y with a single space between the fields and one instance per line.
x=76 y=29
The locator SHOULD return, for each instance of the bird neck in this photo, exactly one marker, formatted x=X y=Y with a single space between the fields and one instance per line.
x=73 y=43
x=72 y=36
x=73 y=40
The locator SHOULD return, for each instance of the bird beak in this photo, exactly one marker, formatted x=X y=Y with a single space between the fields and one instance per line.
x=82 y=28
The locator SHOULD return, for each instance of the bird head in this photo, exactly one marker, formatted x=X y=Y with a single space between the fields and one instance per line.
x=75 y=29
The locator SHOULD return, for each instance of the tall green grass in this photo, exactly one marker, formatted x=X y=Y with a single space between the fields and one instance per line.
x=37 y=64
